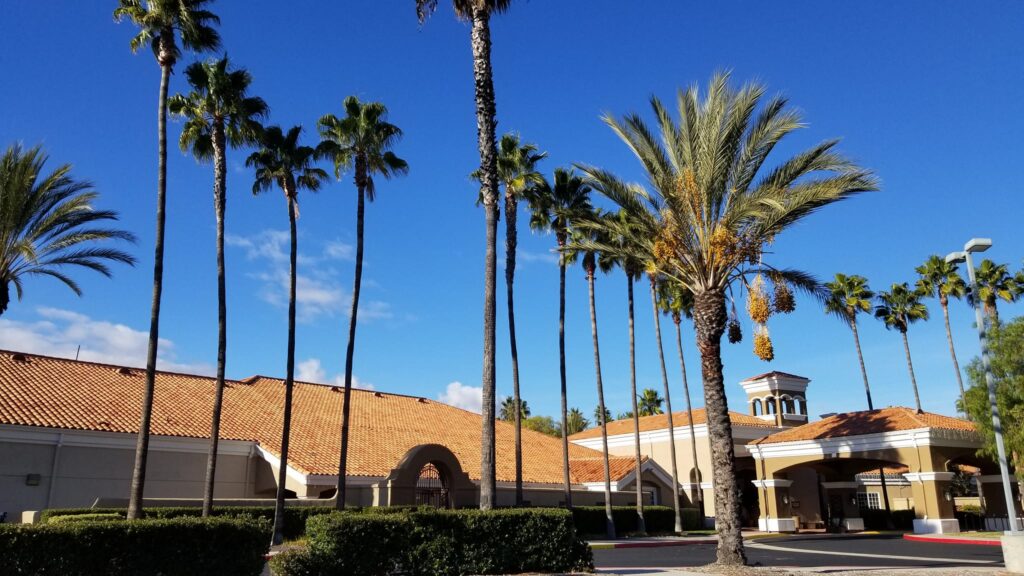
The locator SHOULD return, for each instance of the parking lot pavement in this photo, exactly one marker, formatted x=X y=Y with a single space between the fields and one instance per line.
x=866 y=551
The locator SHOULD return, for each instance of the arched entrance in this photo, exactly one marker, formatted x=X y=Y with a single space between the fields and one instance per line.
x=432 y=487
x=428 y=474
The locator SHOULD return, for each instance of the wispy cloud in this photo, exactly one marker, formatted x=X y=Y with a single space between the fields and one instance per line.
x=461 y=396
x=318 y=289
x=528 y=256
x=60 y=332
x=312 y=370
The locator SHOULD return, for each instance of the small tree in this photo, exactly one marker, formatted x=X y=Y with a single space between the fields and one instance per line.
x=1006 y=352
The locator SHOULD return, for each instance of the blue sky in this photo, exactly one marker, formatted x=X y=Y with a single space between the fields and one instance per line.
x=925 y=93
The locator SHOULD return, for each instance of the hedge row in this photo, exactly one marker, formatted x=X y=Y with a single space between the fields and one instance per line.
x=439 y=542
x=171 y=547
x=590 y=520
x=879 y=519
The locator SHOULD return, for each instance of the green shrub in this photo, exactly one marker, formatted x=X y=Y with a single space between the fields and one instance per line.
x=878 y=519
x=440 y=542
x=85 y=518
x=172 y=547
x=590 y=520
x=295 y=562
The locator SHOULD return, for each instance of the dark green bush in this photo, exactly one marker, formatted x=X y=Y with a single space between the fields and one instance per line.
x=85 y=518
x=295 y=562
x=294 y=516
x=440 y=542
x=172 y=547
x=878 y=519
x=590 y=520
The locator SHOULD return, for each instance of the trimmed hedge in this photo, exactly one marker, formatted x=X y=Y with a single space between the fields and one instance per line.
x=295 y=517
x=877 y=519
x=84 y=518
x=590 y=520
x=171 y=547
x=439 y=542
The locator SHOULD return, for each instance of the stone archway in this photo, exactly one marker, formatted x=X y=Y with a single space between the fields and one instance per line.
x=427 y=474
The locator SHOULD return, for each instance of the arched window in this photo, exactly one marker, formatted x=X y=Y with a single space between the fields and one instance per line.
x=755 y=407
x=801 y=405
x=769 y=403
x=787 y=405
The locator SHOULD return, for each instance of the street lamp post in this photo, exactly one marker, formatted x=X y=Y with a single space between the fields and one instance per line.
x=980 y=245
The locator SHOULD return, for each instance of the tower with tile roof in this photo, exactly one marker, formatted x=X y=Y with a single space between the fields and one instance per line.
x=777 y=397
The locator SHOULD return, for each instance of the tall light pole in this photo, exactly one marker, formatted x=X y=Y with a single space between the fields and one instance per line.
x=980 y=245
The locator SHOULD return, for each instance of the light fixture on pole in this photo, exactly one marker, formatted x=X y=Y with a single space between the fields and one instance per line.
x=976 y=245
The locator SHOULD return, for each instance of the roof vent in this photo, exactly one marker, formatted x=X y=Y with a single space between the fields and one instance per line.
x=378 y=395
x=18 y=357
x=335 y=389
x=125 y=371
x=421 y=400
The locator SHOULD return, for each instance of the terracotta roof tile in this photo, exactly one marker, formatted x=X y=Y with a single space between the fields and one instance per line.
x=892 y=419
x=60 y=393
x=660 y=422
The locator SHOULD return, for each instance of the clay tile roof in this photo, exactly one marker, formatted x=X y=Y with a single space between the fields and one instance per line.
x=891 y=419
x=660 y=422
x=59 y=393
x=775 y=373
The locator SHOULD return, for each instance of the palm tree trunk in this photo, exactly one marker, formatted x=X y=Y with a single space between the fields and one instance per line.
x=709 y=320
x=142 y=443
x=561 y=372
x=485 y=125
x=511 y=238
x=640 y=523
x=341 y=486
x=609 y=520
x=289 y=380
x=952 y=352
x=871 y=406
x=699 y=493
x=219 y=199
x=668 y=405
x=910 y=367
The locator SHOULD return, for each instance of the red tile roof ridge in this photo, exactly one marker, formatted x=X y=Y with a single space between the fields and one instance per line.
x=112 y=366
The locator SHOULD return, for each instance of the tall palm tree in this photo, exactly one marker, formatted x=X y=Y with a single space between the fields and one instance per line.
x=653 y=403
x=898 y=309
x=478 y=13
x=508 y=410
x=576 y=422
x=848 y=296
x=361 y=141
x=593 y=260
x=650 y=402
x=517 y=172
x=994 y=283
x=709 y=213
x=47 y=223
x=283 y=162
x=555 y=207
x=939 y=278
x=677 y=301
x=218 y=113
x=159 y=23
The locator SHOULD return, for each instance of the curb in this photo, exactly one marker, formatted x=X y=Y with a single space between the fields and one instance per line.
x=668 y=543
x=952 y=540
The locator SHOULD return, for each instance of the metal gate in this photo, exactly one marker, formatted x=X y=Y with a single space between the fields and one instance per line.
x=432 y=488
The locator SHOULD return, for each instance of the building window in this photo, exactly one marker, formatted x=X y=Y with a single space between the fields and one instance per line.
x=869 y=500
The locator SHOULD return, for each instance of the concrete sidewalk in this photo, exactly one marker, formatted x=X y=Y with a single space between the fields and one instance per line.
x=967 y=538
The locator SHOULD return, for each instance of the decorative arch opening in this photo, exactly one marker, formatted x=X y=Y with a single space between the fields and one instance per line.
x=769 y=404
x=755 y=407
x=801 y=405
x=432 y=486
x=787 y=404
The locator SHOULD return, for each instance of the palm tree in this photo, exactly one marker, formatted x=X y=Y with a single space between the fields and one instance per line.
x=518 y=173
x=508 y=410
x=47 y=223
x=994 y=283
x=677 y=301
x=478 y=12
x=159 y=22
x=847 y=297
x=576 y=422
x=218 y=113
x=593 y=260
x=940 y=278
x=556 y=207
x=650 y=402
x=708 y=216
x=362 y=141
x=899 y=308
x=607 y=414
x=283 y=162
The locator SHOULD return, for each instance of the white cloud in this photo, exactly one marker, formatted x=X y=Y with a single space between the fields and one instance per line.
x=311 y=370
x=527 y=256
x=60 y=333
x=461 y=396
x=318 y=290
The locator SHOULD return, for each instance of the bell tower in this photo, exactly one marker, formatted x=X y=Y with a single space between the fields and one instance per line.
x=777 y=397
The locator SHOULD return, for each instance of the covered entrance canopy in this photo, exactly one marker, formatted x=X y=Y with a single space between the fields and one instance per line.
x=839 y=447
